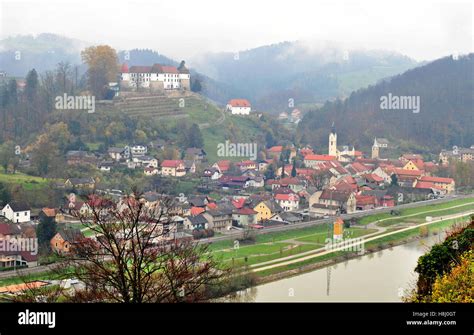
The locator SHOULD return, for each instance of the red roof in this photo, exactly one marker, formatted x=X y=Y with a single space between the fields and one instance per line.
x=437 y=180
x=246 y=211
x=50 y=212
x=211 y=205
x=362 y=200
x=197 y=210
x=306 y=151
x=403 y=172
x=287 y=197
x=171 y=163
x=239 y=203
x=223 y=165
x=124 y=68
x=320 y=158
x=169 y=69
x=359 y=167
x=276 y=148
x=140 y=69
x=239 y=103
x=425 y=184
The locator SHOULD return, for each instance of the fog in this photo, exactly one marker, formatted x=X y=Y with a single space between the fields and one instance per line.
x=185 y=29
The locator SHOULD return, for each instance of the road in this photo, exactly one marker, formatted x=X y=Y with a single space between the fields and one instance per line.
x=238 y=234
x=323 y=251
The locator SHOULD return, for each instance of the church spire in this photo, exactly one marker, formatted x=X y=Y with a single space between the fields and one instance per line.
x=333 y=128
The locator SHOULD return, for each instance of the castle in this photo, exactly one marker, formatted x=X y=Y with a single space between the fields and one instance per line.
x=161 y=77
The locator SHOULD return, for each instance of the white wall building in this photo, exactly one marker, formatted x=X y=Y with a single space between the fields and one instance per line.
x=156 y=76
x=239 y=107
x=16 y=212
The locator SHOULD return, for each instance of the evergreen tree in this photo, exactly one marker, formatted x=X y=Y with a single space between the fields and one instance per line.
x=195 y=139
x=293 y=170
x=45 y=230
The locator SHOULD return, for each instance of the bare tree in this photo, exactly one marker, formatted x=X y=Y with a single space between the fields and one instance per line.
x=135 y=258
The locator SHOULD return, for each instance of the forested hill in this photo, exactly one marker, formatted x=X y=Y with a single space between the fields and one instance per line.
x=446 y=115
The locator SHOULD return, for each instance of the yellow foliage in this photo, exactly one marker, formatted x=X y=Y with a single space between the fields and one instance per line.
x=458 y=285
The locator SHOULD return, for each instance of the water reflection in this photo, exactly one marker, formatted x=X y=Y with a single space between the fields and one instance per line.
x=385 y=278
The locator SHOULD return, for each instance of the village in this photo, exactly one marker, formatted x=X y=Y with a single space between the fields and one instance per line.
x=239 y=195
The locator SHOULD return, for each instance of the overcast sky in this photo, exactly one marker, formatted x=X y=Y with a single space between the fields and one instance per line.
x=423 y=30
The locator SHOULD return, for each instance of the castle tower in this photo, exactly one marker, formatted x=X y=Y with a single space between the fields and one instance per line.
x=184 y=76
x=124 y=76
x=333 y=142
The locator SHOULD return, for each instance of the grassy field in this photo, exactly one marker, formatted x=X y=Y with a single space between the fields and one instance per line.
x=413 y=211
x=29 y=183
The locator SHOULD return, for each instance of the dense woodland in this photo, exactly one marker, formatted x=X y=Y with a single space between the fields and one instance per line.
x=446 y=117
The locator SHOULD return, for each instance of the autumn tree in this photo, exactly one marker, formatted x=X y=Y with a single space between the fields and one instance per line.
x=102 y=65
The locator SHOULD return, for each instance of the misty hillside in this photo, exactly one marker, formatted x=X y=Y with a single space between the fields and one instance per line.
x=446 y=116
x=19 y=54
x=270 y=75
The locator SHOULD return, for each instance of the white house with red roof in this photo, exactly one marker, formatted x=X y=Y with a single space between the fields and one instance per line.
x=173 y=167
x=239 y=107
x=156 y=76
x=447 y=185
x=288 y=201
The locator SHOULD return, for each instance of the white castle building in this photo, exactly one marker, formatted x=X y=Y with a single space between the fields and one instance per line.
x=157 y=76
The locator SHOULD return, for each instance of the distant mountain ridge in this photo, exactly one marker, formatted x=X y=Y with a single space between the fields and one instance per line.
x=270 y=75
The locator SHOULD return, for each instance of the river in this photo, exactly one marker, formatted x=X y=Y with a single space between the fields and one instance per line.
x=383 y=276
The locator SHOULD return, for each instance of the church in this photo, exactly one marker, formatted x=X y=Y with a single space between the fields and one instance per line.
x=343 y=154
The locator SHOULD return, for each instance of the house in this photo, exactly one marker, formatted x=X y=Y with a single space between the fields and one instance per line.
x=275 y=151
x=48 y=213
x=118 y=154
x=239 y=107
x=80 y=183
x=265 y=209
x=287 y=217
x=211 y=173
x=145 y=161
x=78 y=157
x=151 y=171
x=189 y=166
x=219 y=220
x=446 y=184
x=138 y=150
x=106 y=166
x=157 y=76
x=65 y=239
x=247 y=165
x=175 y=168
x=11 y=259
x=457 y=154
x=236 y=182
x=9 y=231
x=289 y=202
x=17 y=212
x=312 y=160
x=295 y=184
x=358 y=169
x=223 y=165
x=244 y=216
x=331 y=202
x=195 y=154
x=366 y=202
x=198 y=222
